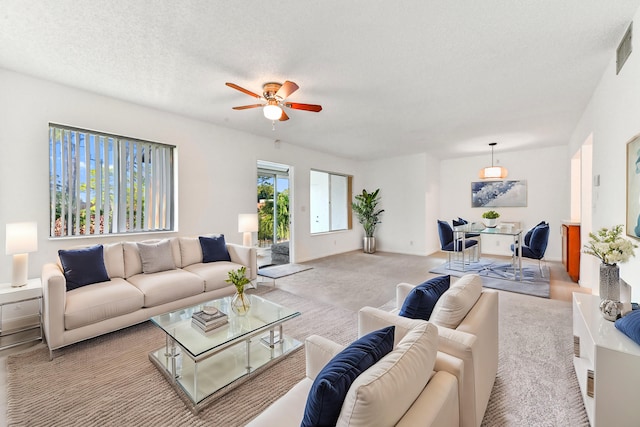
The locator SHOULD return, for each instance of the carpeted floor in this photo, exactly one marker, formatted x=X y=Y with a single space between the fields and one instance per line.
x=110 y=381
x=498 y=274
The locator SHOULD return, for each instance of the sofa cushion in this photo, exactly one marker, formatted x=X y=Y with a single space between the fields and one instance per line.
x=332 y=383
x=382 y=394
x=166 y=286
x=83 y=266
x=133 y=262
x=114 y=259
x=214 y=249
x=156 y=256
x=454 y=304
x=190 y=251
x=214 y=274
x=421 y=300
x=100 y=301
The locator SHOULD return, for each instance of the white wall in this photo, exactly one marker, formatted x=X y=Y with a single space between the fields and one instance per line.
x=612 y=116
x=212 y=189
x=409 y=194
x=547 y=172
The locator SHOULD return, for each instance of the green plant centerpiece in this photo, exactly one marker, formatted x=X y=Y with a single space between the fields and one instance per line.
x=240 y=303
x=491 y=217
x=611 y=248
x=368 y=214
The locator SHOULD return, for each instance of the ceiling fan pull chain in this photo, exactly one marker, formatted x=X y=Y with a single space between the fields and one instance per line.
x=273 y=125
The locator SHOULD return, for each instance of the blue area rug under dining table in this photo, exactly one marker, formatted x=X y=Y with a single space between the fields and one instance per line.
x=498 y=274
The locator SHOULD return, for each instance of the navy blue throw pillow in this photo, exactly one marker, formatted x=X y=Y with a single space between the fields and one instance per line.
x=214 y=249
x=422 y=299
x=330 y=387
x=630 y=325
x=83 y=266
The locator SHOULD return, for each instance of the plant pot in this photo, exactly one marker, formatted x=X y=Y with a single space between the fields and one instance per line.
x=491 y=222
x=240 y=303
x=609 y=282
x=369 y=245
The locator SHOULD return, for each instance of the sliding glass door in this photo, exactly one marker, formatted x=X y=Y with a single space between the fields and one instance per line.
x=273 y=213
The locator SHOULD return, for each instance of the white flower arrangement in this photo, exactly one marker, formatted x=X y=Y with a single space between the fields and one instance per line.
x=609 y=246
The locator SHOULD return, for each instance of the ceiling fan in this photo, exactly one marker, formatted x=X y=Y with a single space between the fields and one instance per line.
x=274 y=97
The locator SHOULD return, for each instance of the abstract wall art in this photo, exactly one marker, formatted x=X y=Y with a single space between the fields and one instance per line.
x=499 y=194
x=633 y=187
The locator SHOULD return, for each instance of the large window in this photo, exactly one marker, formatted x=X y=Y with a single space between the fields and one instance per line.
x=330 y=205
x=108 y=184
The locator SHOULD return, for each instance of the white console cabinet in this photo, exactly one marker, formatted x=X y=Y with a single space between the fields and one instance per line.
x=607 y=364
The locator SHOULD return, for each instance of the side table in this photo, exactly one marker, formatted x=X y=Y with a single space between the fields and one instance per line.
x=26 y=327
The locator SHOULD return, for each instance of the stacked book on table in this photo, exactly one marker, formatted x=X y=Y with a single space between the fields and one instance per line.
x=208 y=322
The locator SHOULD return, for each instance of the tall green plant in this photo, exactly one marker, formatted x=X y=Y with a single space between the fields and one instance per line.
x=367 y=212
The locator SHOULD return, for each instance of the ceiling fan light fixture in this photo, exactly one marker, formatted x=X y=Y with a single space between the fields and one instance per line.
x=272 y=112
x=493 y=172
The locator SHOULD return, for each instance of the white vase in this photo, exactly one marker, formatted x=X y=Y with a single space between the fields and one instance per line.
x=609 y=282
x=492 y=222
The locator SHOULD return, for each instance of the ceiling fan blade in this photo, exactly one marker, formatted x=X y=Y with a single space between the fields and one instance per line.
x=286 y=89
x=244 y=107
x=306 y=107
x=243 y=90
x=283 y=117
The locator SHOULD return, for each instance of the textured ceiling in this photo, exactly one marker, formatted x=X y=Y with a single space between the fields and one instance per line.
x=446 y=77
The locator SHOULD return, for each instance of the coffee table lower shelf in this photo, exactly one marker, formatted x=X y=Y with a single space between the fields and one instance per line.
x=200 y=382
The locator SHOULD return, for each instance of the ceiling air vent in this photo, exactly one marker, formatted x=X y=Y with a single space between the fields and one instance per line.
x=624 y=49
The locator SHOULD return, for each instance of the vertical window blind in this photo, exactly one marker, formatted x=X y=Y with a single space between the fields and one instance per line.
x=108 y=184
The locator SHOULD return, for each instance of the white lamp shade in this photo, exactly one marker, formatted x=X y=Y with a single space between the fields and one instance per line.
x=493 y=172
x=247 y=222
x=22 y=238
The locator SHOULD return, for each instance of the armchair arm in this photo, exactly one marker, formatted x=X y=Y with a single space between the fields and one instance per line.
x=402 y=291
x=371 y=319
x=318 y=352
x=54 y=288
x=246 y=256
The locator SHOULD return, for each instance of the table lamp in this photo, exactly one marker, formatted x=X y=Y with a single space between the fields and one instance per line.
x=247 y=224
x=22 y=238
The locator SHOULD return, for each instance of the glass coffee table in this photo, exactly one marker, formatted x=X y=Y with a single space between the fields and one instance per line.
x=203 y=366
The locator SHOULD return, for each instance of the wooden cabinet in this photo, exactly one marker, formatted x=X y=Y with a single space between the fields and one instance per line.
x=571 y=249
x=606 y=363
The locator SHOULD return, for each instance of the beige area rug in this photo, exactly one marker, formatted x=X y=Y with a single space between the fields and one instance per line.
x=109 y=380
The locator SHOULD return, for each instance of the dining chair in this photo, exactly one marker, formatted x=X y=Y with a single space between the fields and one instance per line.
x=468 y=235
x=535 y=244
x=452 y=245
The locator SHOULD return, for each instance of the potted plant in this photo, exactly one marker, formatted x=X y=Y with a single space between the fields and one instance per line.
x=491 y=217
x=368 y=214
x=240 y=304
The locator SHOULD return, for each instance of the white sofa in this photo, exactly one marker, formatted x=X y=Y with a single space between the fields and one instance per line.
x=467 y=325
x=401 y=389
x=131 y=296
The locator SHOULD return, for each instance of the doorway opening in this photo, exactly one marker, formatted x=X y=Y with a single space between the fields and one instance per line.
x=274 y=221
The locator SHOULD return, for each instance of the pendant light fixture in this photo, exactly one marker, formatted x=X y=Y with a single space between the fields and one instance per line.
x=493 y=172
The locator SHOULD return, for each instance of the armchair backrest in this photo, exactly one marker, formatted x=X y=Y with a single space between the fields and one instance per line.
x=445 y=232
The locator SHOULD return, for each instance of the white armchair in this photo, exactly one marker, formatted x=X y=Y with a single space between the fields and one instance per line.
x=474 y=340
x=391 y=392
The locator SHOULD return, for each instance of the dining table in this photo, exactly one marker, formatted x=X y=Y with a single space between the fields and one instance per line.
x=460 y=232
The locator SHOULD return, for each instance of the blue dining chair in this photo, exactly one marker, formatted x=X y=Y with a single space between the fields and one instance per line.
x=454 y=246
x=468 y=235
x=535 y=244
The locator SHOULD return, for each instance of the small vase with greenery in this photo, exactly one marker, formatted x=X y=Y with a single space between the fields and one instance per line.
x=368 y=214
x=240 y=304
x=491 y=216
x=611 y=248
